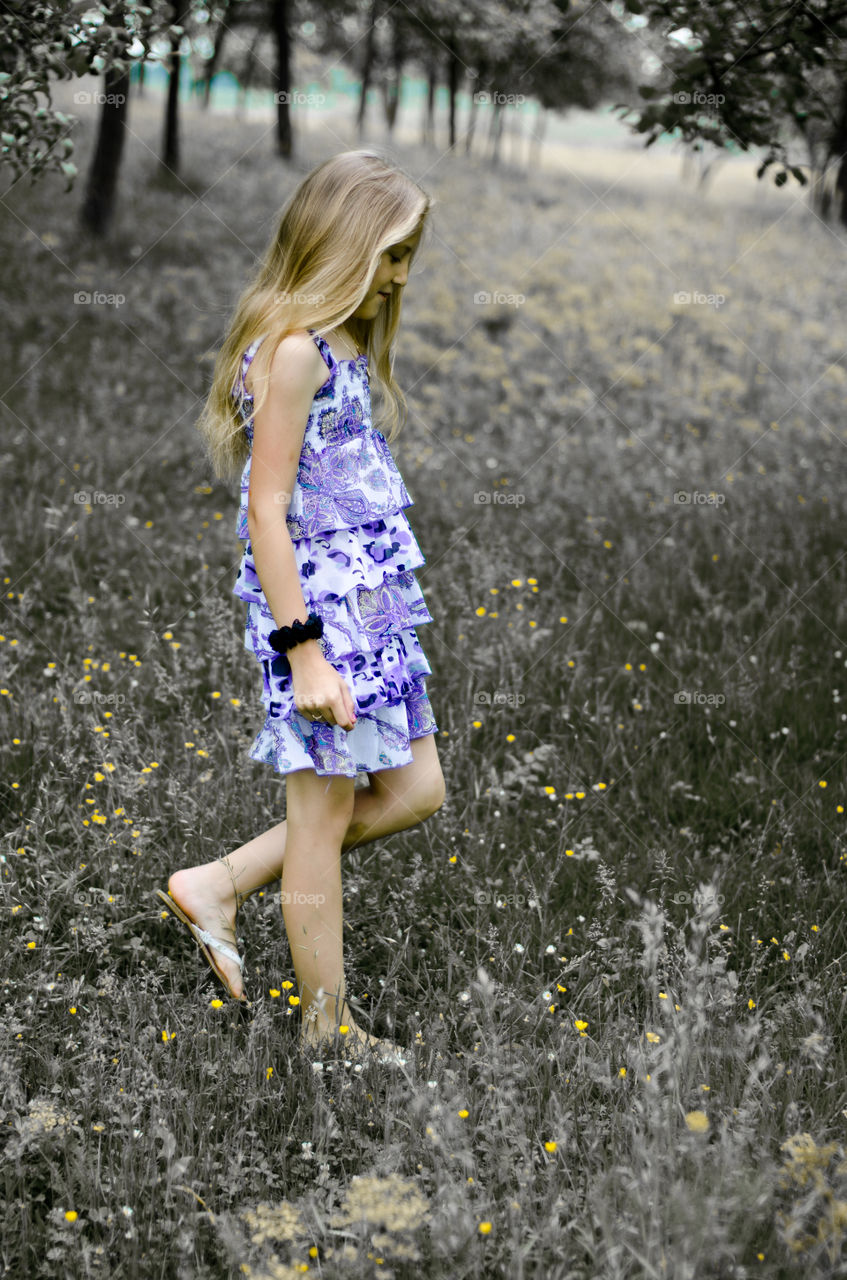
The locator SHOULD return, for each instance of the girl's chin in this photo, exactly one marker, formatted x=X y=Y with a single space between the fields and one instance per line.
x=370 y=308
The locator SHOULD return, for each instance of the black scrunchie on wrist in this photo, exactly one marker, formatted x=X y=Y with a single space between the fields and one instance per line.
x=285 y=638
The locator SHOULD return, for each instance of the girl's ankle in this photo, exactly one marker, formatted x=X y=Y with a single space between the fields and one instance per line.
x=317 y=1025
x=219 y=877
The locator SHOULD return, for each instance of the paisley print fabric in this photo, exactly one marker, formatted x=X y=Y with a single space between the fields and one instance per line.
x=356 y=556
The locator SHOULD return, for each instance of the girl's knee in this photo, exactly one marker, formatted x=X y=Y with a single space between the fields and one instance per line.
x=429 y=788
x=433 y=784
x=430 y=792
x=435 y=794
x=428 y=795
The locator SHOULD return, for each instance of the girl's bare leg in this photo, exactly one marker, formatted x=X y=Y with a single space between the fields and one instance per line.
x=395 y=799
x=319 y=812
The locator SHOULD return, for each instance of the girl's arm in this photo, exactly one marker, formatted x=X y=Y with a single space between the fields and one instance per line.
x=296 y=373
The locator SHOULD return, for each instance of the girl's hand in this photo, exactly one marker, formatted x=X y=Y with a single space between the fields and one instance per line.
x=320 y=693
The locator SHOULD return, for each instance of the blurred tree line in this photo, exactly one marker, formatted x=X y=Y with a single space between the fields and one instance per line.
x=718 y=74
x=764 y=74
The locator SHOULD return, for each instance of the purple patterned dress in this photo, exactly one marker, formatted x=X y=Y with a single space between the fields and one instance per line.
x=356 y=556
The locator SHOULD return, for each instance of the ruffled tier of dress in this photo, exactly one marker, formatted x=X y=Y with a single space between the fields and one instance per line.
x=382 y=734
x=354 y=480
x=369 y=638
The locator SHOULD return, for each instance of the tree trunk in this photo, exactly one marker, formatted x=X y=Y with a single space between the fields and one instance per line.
x=213 y=63
x=817 y=161
x=820 y=196
x=453 y=73
x=475 y=90
x=282 y=34
x=819 y=193
x=98 y=204
x=393 y=79
x=516 y=136
x=170 y=134
x=247 y=73
x=537 y=137
x=472 y=110
x=838 y=153
x=495 y=133
x=367 y=68
x=429 y=114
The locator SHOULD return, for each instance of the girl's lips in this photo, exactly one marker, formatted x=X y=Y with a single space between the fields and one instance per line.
x=382 y=294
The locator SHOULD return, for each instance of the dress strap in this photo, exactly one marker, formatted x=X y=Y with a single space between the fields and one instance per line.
x=247 y=360
x=323 y=347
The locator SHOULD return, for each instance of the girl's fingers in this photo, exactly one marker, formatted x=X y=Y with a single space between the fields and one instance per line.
x=341 y=715
x=339 y=710
x=343 y=708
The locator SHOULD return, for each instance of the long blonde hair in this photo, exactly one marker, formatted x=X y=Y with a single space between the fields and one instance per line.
x=317 y=269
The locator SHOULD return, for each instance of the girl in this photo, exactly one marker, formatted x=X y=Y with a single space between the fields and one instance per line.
x=327 y=571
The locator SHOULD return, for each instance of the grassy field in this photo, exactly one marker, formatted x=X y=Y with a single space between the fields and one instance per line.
x=619 y=945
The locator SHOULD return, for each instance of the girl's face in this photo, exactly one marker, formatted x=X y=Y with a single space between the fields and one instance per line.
x=392 y=273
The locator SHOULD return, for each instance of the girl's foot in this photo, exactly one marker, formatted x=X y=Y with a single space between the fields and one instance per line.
x=321 y=1033
x=207 y=896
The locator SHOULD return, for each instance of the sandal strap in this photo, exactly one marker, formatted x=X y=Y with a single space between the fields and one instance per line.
x=219 y=946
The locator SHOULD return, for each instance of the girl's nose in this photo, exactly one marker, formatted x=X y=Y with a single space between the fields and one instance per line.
x=401 y=275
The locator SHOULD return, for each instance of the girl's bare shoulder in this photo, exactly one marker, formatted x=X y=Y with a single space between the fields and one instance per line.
x=296 y=357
